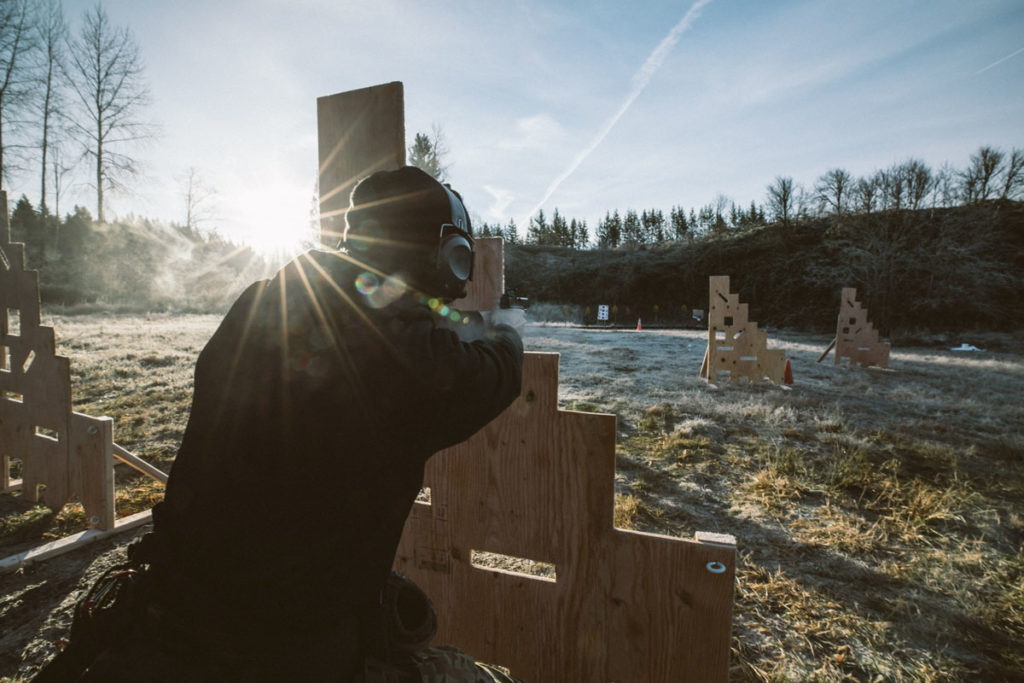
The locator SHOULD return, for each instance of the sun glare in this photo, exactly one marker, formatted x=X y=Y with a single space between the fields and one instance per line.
x=273 y=222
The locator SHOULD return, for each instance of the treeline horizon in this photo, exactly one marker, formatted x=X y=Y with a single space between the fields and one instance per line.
x=912 y=184
x=931 y=270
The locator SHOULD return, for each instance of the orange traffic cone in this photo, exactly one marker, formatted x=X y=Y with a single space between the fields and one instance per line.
x=787 y=376
x=639 y=327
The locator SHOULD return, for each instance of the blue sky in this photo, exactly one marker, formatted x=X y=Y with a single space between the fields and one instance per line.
x=583 y=106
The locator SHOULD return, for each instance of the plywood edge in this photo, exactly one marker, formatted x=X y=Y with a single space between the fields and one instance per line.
x=724 y=540
x=72 y=542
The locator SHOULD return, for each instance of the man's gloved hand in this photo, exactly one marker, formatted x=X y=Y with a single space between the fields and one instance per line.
x=513 y=317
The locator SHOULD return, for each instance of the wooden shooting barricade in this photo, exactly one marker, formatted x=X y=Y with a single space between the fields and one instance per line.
x=856 y=338
x=63 y=454
x=537 y=484
x=735 y=345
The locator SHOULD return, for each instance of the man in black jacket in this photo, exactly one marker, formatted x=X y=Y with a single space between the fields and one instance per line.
x=317 y=403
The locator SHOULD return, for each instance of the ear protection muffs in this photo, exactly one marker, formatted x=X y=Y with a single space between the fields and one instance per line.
x=455 y=251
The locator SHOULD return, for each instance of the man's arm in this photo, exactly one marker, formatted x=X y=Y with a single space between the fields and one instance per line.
x=467 y=384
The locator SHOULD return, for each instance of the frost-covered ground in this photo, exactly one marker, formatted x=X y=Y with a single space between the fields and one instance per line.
x=878 y=513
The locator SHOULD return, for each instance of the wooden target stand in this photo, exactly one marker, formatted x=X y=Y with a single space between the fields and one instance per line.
x=537 y=484
x=735 y=345
x=856 y=338
x=64 y=454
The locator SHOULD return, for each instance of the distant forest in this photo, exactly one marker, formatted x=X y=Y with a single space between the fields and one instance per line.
x=912 y=185
x=924 y=270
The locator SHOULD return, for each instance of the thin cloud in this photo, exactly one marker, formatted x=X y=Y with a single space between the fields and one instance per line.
x=502 y=199
x=533 y=133
x=640 y=80
x=999 y=61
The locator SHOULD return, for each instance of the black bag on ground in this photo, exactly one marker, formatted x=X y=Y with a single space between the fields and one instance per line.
x=104 y=616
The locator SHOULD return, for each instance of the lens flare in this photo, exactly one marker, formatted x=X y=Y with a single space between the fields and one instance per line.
x=367 y=284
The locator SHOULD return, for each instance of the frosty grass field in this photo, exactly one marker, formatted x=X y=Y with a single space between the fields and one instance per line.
x=879 y=514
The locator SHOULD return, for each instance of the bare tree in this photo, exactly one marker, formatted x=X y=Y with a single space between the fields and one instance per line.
x=917 y=178
x=780 y=198
x=803 y=201
x=60 y=169
x=428 y=151
x=198 y=196
x=945 y=187
x=893 y=187
x=864 y=194
x=52 y=36
x=17 y=42
x=107 y=82
x=977 y=182
x=1013 y=175
x=834 y=188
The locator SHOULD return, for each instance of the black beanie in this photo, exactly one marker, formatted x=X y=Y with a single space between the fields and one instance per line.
x=399 y=210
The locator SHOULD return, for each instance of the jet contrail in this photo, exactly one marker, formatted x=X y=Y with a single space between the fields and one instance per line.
x=640 y=80
x=999 y=61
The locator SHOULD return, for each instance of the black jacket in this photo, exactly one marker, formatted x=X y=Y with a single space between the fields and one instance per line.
x=313 y=415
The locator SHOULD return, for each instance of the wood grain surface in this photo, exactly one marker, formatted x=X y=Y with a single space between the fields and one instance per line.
x=358 y=132
x=538 y=484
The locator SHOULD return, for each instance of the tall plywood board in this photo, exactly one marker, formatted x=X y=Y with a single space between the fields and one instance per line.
x=63 y=454
x=485 y=289
x=735 y=346
x=538 y=484
x=856 y=338
x=359 y=132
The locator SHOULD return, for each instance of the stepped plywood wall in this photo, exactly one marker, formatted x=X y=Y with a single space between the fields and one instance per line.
x=63 y=454
x=856 y=338
x=538 y=483
x=735 y=345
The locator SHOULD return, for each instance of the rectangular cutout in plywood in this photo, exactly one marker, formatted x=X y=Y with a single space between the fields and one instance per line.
x=856 y=338
x=736 y=348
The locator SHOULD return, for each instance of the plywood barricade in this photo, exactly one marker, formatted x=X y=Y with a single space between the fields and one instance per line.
x=63 y=454
x=538 y=483
x=735 y=345
x=856 y=338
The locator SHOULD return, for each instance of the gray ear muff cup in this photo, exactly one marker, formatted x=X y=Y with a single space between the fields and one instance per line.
x=455 y=264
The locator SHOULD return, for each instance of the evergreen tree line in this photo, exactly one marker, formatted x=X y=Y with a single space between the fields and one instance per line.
x=135 y=264
x=929 y=269
x=911 y=184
